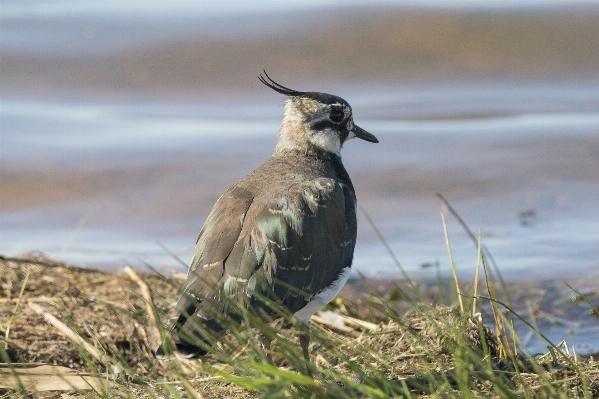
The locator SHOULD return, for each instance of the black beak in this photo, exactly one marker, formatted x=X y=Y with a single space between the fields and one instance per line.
x=364 y=135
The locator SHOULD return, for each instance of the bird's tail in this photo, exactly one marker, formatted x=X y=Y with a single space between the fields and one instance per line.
x=182 y=351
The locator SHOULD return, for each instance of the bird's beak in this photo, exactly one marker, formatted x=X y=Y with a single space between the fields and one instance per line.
x=363 y=134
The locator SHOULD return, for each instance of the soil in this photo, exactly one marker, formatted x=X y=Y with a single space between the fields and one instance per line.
x=108 y=310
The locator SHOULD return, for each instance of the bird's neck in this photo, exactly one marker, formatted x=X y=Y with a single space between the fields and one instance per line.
x=296 y=136
x=307 y=154
x=291 y=142
x=292 y=134
x=315 y=159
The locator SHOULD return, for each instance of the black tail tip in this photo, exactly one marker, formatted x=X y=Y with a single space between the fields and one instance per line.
x=188 y=353
x=183 y=352
x=161 y=354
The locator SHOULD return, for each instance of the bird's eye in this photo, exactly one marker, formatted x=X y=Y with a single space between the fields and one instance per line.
x=336 y=115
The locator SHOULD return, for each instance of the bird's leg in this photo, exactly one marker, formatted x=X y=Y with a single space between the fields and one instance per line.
x=304 y=339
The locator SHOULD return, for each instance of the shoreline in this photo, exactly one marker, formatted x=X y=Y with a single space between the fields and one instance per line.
x=560 y=311
x=108 y=315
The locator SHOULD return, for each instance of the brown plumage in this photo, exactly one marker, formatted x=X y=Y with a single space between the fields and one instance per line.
x=286 y=232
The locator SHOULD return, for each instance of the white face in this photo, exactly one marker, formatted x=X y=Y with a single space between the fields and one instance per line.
x=350 y=127
x=309 y=123
x=326 y=139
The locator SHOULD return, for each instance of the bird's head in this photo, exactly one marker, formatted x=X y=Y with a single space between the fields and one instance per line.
x=315 y=121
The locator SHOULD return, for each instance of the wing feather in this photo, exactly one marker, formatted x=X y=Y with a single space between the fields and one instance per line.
x=214 y=245
x=251 y=248
x=301 y=240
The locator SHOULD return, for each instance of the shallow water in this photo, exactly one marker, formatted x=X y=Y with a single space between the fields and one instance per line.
x=101 y=183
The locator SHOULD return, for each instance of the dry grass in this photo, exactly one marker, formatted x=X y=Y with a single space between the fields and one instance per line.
x=430 y=351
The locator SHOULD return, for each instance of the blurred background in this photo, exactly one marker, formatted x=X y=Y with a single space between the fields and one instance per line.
x=123 y=122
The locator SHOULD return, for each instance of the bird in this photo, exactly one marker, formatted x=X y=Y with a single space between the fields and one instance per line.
x=284 y=234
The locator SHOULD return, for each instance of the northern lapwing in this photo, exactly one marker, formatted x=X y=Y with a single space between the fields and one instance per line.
x=283 y=234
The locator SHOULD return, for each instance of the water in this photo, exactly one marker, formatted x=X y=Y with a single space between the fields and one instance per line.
x=107 y=174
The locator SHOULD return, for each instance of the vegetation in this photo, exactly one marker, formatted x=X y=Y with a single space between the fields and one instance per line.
x=366 y=346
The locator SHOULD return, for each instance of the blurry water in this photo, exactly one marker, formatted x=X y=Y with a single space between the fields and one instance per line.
x=482 y=165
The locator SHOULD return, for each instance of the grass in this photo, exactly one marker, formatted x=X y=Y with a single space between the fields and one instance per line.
x=430 y=351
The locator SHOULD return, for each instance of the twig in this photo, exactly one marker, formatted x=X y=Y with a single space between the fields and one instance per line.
x=145 y=292
x=357 y=322
x=34 y=299
x=333 y=326
x=142 y=333
x=205 y=379
x=361 y=323
x=45 y=377
x=72 y=335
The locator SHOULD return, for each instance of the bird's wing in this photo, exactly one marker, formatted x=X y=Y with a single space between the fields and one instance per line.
x=215 y=242
x=289 y=249
x=297 y=246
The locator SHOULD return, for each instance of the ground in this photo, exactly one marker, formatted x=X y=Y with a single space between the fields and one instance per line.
x=387 y=352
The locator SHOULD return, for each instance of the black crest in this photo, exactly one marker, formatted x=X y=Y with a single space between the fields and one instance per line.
x=279 y=88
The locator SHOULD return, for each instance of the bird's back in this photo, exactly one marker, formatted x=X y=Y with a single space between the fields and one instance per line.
x=284 y=232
